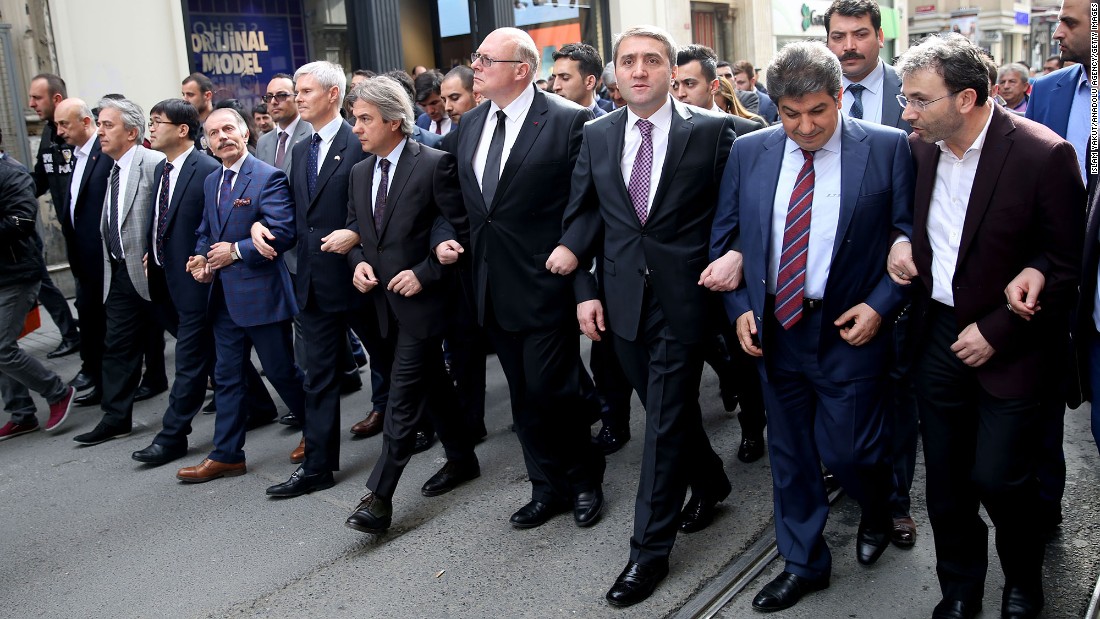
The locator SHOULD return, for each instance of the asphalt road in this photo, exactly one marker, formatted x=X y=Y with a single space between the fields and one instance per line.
x=91 y=533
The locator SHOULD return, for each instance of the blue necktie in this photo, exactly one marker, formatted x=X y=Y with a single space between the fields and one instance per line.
x=224 y=204
x=856 y=90
x=311 y=164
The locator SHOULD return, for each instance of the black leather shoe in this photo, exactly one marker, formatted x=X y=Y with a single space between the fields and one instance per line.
x=450 y=476
x=1020 y=603
x=90 y=398
x=785 y=591
x=210 y=408
x=259 y=420
x=66 y=347
x=610 y=439
x=292 y=420
x=536 y=513
x=636 y=583
x=751 y=449
x=829 y=480
x=351 y=383
x=424 y=441
x=587 y=507
x=101 y=434
x=159 y=454
x=697 y=514
x=82 y=381
x=145 y=392
x=372 y=515
x=956 y=609
x=301 y=483
x=871 y=543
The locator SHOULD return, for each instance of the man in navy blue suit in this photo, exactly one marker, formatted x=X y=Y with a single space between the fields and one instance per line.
x=813 y=207
x=252 y=297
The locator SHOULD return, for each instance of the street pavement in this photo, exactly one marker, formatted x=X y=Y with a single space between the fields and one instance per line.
x=91 y=533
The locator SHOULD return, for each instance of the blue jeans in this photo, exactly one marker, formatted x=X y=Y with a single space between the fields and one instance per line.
x=19 y=372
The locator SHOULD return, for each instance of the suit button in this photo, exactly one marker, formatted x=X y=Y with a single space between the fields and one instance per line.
x=488 y=220
x=311 y=229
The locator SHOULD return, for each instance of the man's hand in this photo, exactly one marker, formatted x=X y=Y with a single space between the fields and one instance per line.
x=260 y=236
x=972 y=347
x=724 y=274
x=859 y=324
x=220 y=255
x=405 y=283
x=363 y=279
x=746 y=334
x=562 y=261
x=196 y=265
x=900 y=265
x=1023 y=292
x=339 y=241
x=447 y=252
x=590 y=318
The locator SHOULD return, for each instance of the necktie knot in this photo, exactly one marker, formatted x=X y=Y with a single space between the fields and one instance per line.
x=807 y=155
x=282 y=136
x=645 y=127
x=856 y=89
x=316 y=139
x=168 y=168
x=384 y=164
x=116 y=170
x=501 y=117
x=228 y=177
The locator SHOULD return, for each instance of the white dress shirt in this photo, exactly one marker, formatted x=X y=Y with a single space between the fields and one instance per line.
x=1079 y=124
x=82 y=154
x=516 y=113
x=871 y=98
x=824 y=212
x=328 y=134
x=376 y=178
x=443 y=125
x=236 y=168
x=173 y=176
x=123 y=164
x=662 y=122
x=947 y=211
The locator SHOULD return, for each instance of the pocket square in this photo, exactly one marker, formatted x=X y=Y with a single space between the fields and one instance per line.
x=242 y=202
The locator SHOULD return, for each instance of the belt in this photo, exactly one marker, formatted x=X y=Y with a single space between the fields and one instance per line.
x=812 y=304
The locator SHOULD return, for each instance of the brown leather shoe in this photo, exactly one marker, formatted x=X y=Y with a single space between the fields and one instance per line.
x=298 y=456
x=905 y=533
x=210 y=469
x=368 y=427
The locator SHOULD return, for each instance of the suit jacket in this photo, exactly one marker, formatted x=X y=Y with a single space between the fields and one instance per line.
x=1052 y=98
x=513 y=237
x=428 y=139
x=424 y=121
x=749 y=99
x=257 y=290
x=325 y=273
x=891 y=111
x=180 y=232
x=673 y=243
x=133 y=224
x=1024 y=210
x=82 y=233
x=424 y=187
x=768 y=109
x=1083 y=326
x=876 y=186
x=269 y=142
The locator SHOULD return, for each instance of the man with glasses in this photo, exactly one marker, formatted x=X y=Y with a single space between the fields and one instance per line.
x=513 y=155
x=274 y=147
x=996 y=193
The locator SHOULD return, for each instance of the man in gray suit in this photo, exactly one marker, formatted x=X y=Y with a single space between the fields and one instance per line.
x=274 y=147
x=123 y=226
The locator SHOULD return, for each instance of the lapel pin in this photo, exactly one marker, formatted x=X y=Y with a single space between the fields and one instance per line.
x=338 y=157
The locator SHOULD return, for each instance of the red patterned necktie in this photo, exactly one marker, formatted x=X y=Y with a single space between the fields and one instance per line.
x=790 y=285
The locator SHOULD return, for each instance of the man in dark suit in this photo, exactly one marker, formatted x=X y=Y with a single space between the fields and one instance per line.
x=831 y=194
x=80 y=218
x=744 y=80
x=179 y=301
x=646 y=182
x=397 y=195
x=319 y=185
x=430 y=98
x=996 y=194
x=251 y=297
x=522 y=144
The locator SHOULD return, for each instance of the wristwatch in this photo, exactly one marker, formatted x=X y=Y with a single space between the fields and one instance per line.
x=233 y=252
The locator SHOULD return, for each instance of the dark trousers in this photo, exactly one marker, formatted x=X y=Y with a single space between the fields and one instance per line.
x=977 y=449
x=155 y=376
x=544 y=381
x=467 y=347
x=419 y=386
x=666 y=372
x=93 y=318
x=902 y=415
x=750 y=394
x=128 y=316
x=57 y=307
x=612 y=385
x=275 y=347
x=814 y=420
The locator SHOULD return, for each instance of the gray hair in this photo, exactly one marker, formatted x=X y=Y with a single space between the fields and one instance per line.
x=802 y=68
x=651 y=32
x=386 y=94
x=132 y=115
x=525 y=49
x=609 y=74
x=242 y=124
x=953 y=57
x=1013 y=67
x=327 y=74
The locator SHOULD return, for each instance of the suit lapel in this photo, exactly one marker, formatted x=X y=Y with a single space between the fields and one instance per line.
x=998 y=142
x=891 y=86
x=93 y=159
x=132 y=184
x=679 y=133
x=528 y=133
x=332 y=160
x=401 y=175
x=771 y=163
x=616 y=137
x=854 y=151
x=239 y=187
x=467 y=147
x=187 y=172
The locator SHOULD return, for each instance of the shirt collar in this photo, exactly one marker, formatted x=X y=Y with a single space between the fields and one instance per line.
x=873 y=81
x=831 y=146
x=394 y=156
x=178 y=161
x=1083 y=80
x=236 y=167
x=127 y=158
x=978 y=141
x=328 y=132
x=289 y=128
x=85 y=149
x=662 y=118
x=517 y=107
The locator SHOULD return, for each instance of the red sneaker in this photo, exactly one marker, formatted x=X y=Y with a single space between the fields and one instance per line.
x=12 y=429
x=59 y=410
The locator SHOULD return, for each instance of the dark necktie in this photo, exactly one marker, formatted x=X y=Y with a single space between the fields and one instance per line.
x=640 y=173
x=114 y=242
x=856 y=90
x=439 y=128
x=491 y=176
x=226 y=191
x=280 y=150
x=162 y=218
x=790 y=285
x=311 y=163
x=383 y=191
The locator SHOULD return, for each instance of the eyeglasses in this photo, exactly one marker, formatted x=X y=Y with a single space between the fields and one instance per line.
x=279 y=97
x=488 y=62
x=922 y=105
x=153 y=123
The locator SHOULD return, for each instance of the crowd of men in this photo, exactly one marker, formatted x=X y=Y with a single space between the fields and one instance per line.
x=900 y=253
